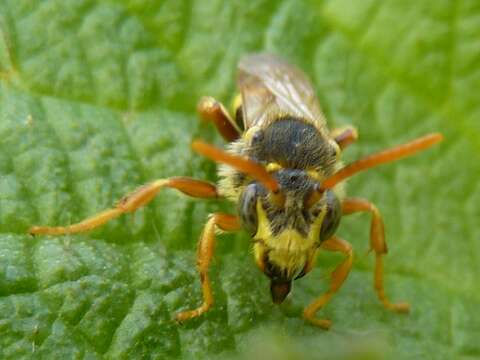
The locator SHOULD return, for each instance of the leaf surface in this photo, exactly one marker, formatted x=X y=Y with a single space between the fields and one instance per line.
x=98 y=97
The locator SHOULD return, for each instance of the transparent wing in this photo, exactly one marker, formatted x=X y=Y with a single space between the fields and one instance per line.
x=271 y=87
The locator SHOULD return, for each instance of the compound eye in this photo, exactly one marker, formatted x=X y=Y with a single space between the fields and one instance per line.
x=247 y=208
x=332 y=217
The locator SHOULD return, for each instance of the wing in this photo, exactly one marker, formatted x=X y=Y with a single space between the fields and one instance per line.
x=270 y=87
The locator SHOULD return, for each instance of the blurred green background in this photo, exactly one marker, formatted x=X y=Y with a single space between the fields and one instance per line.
x=98 y=97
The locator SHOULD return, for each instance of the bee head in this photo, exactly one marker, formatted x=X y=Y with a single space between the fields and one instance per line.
x=288 y=212
x=286 y=226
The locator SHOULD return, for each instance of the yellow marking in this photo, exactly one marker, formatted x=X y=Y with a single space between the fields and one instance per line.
x=259 y=253
x=236 y=103
x=288 y=250
x=315 y=174
x=338 y=151
x=271 y=167
x=249 y=133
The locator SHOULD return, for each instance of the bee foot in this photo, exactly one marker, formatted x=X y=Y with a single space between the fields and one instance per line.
x=321 y=323
x=403 y=308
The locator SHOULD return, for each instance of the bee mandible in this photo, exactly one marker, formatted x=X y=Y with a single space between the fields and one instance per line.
x=282 y=169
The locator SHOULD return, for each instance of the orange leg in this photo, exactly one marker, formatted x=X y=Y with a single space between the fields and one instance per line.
x=212 y=110
x=382 y=157
x=338 y=277
x=132 y=202
x=377 y=244
x=245 y=165
x=205 y=251
x=345 y=136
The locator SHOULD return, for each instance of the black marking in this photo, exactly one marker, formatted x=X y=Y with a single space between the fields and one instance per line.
x=239 y=118
x=294 y=144
x=316 y=212
x=302 y=273
x=295 y=184
x=280 y=281
x=274 y=272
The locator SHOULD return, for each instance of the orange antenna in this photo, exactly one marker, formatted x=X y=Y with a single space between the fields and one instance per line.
x=382 y=157
x=246 y=166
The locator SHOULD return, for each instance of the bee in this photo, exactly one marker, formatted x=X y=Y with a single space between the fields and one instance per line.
x=282 y=169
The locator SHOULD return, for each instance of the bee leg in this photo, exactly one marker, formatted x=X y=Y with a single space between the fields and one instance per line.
x=345 y=136
x=377 y=244
x=132 y=202
x=338 y=277
x=212 y=110
x=205 y=250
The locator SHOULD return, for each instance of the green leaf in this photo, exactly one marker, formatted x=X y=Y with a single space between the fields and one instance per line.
x=98 y=97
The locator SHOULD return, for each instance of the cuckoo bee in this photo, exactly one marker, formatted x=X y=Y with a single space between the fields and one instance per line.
x=282 y=168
